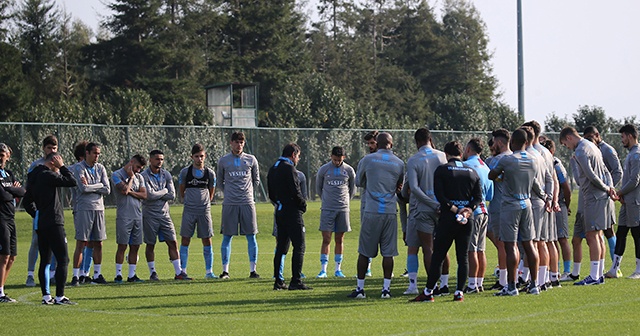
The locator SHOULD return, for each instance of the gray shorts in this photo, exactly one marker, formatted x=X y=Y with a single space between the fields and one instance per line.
x=239 y=219
x=516 y=225
x=422 y=221
x=540 y=224
x=578 y=226
x=598 y=214
x=89 y=225
x=628 y=215
x=129 y=231
x=201 y=221
x=378 y=230
x=158 y=228
x=552 y=229
x=334 y=221
x=493 y=224
x=562 y=222
x=479 y=233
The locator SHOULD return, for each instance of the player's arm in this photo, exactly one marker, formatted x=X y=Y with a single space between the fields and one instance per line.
x=293 y=185
x=141 y=194
x=476 y=197
x=352 y=183
x=255 y=174
x=612 y=160
x=171 y=189
x=361 y=178
x=83 y=186
x=106 y=187
x=212 y=185
x=319 y=182
x=123 y=187
x=271 y=183
x=497 y=170
x=439 y=190
x=414 y=185
x=596 y=181
x=221 y=175
x=153 y=195
x=182 y=183
x=634 y=173
x=64 y=179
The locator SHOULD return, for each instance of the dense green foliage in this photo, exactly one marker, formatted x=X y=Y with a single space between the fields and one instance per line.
x=363 y=64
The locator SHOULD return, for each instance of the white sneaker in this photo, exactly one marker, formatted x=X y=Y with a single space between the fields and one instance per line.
x=411 y=291
x=611 y=275
x=635 y=275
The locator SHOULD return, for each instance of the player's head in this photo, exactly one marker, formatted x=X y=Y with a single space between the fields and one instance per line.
x=385 y=141
x=5 y=154
x=371 y=140
x=198 y=155
x=422 y=137
x=453 y=149
x=49 y=144
x=92 y=153
x=518 y=140
x=156 y=159
x=48 y=161
x=569 y=137
x=292 y=151
x=530 y=135
x=473 y=147
x=501 y=138
x=550 y=145
x=591 y=133
x=137 y=162
x=535 y=127
x=237 y=142
x=80 y=150
x=337 y=156
x=628 y=135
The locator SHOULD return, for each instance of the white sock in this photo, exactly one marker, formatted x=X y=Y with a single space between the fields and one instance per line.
x=615 y=266
x=152 y=266
x=76 y=272
x=1 y=291
x=369 y=266
x=525 y=273
x=252 y=266
x=386 y=284
x=132 y=270
x=472 y=282
x=46 y=297
x=176 y=266
x=360 y=284
x=480 y=282
x=542 y=275
x=444 y=280
x=59 y=298
x=595 y=268
x=118 y=269
x=97 y=270
x=413 y=280
x=601 y=269
x=637 y=265
x=338 y=266
x=31 y=273
x=502 y=277
x=576 y=269
x=323 y=267
x=225 y=268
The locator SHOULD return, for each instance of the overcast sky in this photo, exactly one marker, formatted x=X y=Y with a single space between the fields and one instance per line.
x=576 y=52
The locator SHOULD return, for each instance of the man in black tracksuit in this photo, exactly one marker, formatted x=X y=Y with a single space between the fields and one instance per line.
x=285 y=194
x=42 y=194
x=457 y=188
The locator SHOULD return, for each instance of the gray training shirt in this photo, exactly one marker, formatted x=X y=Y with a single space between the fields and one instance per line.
x=611 y=161
x=594 y=176
x=498 y=186
x=420 y=169
x=128 y=207
x=160 y=191
x=518 y=180
x=380 y=173
x=336 y=186
x=238 y=176
x=90 y=196
x=196 y=193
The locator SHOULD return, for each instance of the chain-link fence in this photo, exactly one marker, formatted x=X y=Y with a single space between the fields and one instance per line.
x=119 y=143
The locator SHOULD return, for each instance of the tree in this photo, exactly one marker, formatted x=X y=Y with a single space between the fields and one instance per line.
x=4 y=18
x=593 y=116
x=73 y=37
x=15 y=93
x=554 y=123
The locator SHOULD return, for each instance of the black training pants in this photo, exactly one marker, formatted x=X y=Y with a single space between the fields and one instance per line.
x=290 y=229
x=447 y=231
x=53 y=240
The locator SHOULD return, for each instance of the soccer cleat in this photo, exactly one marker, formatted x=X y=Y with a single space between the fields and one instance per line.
x=118 y=279
x=84 y=280
x=524 y=285
x=64 y=301
x=211 y=276
x=182 y=276
x=601 y=280
x=470 y=290
x=619 y=273
x=458 y=296
x=634 y=275
x=224 y=275
x=339 y=274
x=441 y=291
x=48 y=302
x=555 y=284
x=254 y=275
x=422 y=297
x=480 y=289
x=321 y=275
x=154 y=277
x=497 y=286
x=411 y=291
x=506 y=292
x=386 y=294
x=357 y=294
x=31 y=282
x=299 y=286
x=6 y=299
x=568 y=277
x=534 y=290
x=368 y=273
x=75 y=281
x=134 y=278
x=99 y=280
x=611 y=275
x=588 y=281
x=279 y=285
x=405 y=274
x=302 y=276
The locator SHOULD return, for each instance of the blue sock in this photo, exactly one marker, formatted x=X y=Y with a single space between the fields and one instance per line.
x=281 y=270
x=207 y=251
x=225 y=249
x=87 y=257
x=324 y=259
x=412 y=263
x=612 y=246
x=338 y=258
x=252 y=248
x=370 y=259
x=184 y=256
x=47 y=276
x=567 y=266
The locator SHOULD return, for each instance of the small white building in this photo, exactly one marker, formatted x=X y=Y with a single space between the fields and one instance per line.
x=233 y=104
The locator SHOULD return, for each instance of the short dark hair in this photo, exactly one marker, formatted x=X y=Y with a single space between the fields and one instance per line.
x=566 y=131
x=476 y=145
x=518 y=138
x=371 y=135
x=155 y=152
x=80 y=150
x=5 y=148
x=197 y=148
x=141 y=160
x=237 y=135
x=502 y=133
x=490 y=142
x=422 y=135
x=50 y=156
x=629 y=129
x=535 y=127
x=50 y=140
x=549 y=144
x=337 y=151
x=290 y=149
x=528 y=130
x=90 y=146
x=453 y=148
x=590 y=130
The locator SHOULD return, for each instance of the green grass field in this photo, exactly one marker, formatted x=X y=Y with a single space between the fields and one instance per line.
x=246 y=306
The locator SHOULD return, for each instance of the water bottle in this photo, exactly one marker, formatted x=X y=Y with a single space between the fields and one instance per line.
x=461 y=219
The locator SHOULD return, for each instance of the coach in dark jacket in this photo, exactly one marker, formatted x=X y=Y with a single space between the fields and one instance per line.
x=285 y=194
x=42 y=194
